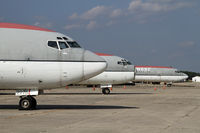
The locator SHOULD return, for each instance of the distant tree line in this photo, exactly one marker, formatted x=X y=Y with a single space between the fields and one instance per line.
x=191 y=74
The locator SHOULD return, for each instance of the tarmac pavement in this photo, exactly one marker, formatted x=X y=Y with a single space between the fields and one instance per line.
x=136 y=109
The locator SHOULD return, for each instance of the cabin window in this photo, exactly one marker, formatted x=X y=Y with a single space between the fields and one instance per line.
x=63 y=45
x=74 y=44
x=53 y=44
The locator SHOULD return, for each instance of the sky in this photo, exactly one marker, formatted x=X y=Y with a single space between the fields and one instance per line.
x=146 y=32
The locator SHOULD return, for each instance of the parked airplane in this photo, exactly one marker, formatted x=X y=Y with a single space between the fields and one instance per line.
x=119 y=71
x=157 y=74
x=34 y=58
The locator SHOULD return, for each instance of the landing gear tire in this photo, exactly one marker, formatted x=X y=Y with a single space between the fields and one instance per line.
x=169 y=85
x=34 y=102
x=106 y=91
x=27 y=103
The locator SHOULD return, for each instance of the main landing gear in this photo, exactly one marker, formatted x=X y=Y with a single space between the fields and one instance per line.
x=27 y=103
x=169 y=85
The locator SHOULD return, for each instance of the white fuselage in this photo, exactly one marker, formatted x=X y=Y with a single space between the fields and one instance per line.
x=158 y=74
x=159 y=78
x=119 y=71
x=33 y=59
x=107 y=78
x=36 y=58
x=44 y=75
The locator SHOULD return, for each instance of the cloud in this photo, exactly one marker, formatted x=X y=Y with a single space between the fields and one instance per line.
x=72 y=26
x=74 y=16
x=37 y=24
x=140 y=11
x=90 y=14
x=42 y=21
x=45 y=25
x=157 y=5
x=134 y=5
x=90 y=17
x=187 y=44
x=91 y=25
x=116 y=13
x=94 y=12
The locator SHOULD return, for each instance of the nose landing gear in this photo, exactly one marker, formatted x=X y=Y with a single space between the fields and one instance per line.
x=27 y=103
x=106 y=91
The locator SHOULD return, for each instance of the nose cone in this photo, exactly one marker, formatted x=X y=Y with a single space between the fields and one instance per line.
x=185 y=76
x=92 y=57
x=93 y=65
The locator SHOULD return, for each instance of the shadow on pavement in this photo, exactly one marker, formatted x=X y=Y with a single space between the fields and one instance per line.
x=97 y=93
x=7 y=93
x=75 y=107
x=115 y=93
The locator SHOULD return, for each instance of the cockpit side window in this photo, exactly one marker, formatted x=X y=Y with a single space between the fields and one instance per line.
x=178 y=71
x=53 y=44
x=65 y=38
x=63 y=45
x=129 y=63
x=59 y=38
x=124 y=62
x=74 y=44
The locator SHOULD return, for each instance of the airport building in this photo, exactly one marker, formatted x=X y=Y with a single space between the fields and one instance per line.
x=196 y=79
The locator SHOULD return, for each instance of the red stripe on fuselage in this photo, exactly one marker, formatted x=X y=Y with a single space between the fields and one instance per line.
x=102 y=54
x=21 y=26
x=153 y=67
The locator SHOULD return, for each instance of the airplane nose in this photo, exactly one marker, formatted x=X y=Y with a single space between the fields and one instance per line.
x=186 y=76
x=93 y=65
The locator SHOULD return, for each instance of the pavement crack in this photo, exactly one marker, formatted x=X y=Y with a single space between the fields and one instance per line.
x=190 y=112
x=186 y=115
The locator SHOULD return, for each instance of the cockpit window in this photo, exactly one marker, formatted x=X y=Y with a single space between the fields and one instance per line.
x=59 y=38
x=74 y=44
x=178 y=71
x=65 y=38
x=53 y=44
x=124 y=62
x=129 y=63
x=63 y=45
